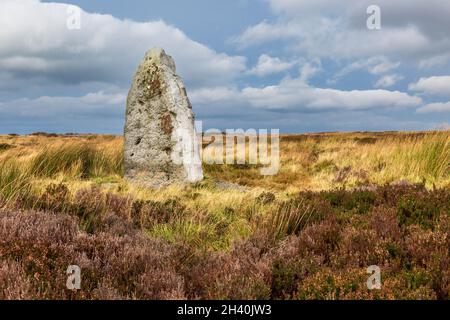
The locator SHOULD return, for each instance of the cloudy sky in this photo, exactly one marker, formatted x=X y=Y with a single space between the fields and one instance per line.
x=294 y=65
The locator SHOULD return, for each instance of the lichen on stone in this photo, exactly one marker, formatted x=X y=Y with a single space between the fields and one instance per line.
x=159 y=122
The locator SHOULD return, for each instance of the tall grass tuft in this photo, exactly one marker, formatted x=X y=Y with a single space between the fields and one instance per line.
x=434 y=156
x=14 y=181
x=77 y=160
x=289 y=218
x=428 y=157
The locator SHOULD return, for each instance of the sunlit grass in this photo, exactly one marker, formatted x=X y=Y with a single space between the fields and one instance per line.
x=76 y=161
x=308 y=162
x=14 y=181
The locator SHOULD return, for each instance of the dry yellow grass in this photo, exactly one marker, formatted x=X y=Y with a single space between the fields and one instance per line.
x=28 y=164
x=327 y=161
x=308 y=162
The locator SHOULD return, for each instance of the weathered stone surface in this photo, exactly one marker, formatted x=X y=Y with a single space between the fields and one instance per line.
x=161 y=145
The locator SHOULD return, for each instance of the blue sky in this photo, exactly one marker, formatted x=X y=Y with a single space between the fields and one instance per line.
x=293 y=65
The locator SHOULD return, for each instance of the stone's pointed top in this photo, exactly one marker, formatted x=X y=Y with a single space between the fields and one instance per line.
x=159 y=57
x=156 y=53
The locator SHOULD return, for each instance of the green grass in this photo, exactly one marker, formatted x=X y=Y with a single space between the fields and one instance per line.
x=434 y=156
x=289 y=218
x=14 y=181
x=77 y=161
x=427 y=157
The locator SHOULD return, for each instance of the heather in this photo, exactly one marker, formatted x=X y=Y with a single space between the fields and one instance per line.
x=244 y=238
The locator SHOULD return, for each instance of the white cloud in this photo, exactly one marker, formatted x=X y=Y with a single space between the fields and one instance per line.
x=439 y=85
x=37 y=50
x=373 y=65
x=270 y=65
x=411 y=30
x=435 y=107
x=35 y=43
x=310 y=69
x=329 y=38
x=294 y=93
x=332 y=38
x=443 y=126
x=264 y=32
x=297 y=95
x=212 y=95
x=101 y=111
x=383 y=66
x=388 y=80
x=96 y=102
x=435 y=60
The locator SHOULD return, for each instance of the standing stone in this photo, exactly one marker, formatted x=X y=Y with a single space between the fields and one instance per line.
x=161 y=145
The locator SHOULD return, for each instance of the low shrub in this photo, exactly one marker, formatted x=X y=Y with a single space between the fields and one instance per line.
x=356 y=201
x=129 y=266
x=241 y=273
x=316 y=245
x=14 y=284
x=266 y=198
